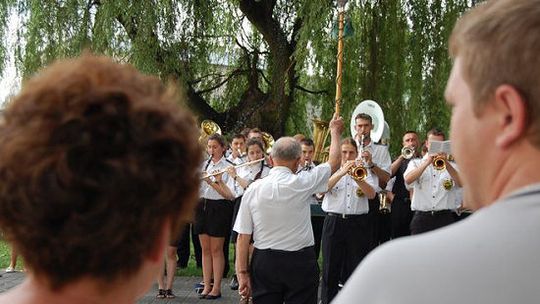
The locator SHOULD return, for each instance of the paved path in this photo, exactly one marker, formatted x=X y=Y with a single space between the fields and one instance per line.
x=183 y=289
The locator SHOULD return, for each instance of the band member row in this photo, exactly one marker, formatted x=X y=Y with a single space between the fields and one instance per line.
x=347 y=232
x=276 y=211
x=213 y=215
x=436 y=193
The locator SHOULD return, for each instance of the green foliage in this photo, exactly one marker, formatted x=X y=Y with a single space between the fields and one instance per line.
x=397 y=56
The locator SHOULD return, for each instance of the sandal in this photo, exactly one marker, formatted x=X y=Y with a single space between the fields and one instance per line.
x=161 y=294
x=169 y=294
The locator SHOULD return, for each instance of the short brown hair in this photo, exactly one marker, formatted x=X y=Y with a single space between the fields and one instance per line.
x=95 y=157
x=364 y=116
x=435 y=132
x=497 y=43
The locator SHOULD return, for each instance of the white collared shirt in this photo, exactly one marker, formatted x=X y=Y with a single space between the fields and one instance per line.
x=206 y=191
x=249 y=173
x=306 y=170
x=276 y=211
x=237 y=161
x=379 y=155
x=429 y=190
x=343 y=198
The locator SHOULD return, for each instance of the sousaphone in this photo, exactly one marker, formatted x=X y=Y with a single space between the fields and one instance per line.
x=373 y=109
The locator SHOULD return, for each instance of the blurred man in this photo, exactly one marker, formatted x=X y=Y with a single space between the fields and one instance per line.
x=491 y=256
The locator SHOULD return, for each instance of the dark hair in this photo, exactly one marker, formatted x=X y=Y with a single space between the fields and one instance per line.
x=435 y=132
x=219 y=138
x=307 y=142
x=410 y=132
x=364 y=116
x=239 y=136
x=95 y=157
x=255 y=141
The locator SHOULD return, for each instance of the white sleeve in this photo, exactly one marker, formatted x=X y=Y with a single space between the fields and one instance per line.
x=244 y=220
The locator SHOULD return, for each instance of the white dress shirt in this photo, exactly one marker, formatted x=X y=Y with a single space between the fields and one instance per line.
x=429 y=190
x=379 y=155
x=237 y=161
x=248 y=173
x=206 y=191
x=306 y=170
x=276 y=211
x=342 y=198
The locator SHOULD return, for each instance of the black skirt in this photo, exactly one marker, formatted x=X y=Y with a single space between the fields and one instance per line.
x=214 y=217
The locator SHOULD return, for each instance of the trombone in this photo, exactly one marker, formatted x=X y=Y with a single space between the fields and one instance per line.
x=217 y=172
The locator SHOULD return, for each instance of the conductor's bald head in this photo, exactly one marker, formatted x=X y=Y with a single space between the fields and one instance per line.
x=286 y=152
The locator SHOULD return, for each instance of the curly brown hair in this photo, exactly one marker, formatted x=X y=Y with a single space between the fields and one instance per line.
x=95 y=158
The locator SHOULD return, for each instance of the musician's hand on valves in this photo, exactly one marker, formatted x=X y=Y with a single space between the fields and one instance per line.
x=336 y=124
x=344 y=170
x=218 y=178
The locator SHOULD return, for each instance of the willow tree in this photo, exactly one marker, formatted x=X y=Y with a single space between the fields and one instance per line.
x=266 y=63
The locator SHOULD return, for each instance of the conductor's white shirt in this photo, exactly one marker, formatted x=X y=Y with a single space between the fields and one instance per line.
x=276 y=209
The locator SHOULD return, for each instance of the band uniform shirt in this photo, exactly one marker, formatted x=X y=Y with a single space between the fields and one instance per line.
x=343 y=198
x=379 y=155
x=249 y=173
x=237 y=161
x=206 y=191
x=276 y=209
x=434 y=190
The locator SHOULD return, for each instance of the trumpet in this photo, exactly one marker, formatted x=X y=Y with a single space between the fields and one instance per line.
x=358 y=171
x=407 y=152
x=206 y=174
x=439 y=162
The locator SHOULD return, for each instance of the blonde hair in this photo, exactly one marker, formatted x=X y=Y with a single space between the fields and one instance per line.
x=497 y=43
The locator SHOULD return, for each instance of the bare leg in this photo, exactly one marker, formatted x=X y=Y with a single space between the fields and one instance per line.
x=171 y=266
x=218 y=263
x=206 y=263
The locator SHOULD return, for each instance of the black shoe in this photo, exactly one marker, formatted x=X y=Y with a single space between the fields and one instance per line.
x=234 y=283
x=212 y=297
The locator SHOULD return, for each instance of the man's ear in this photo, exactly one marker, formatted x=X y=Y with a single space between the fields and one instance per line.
x=161 y=242
x=511 y=115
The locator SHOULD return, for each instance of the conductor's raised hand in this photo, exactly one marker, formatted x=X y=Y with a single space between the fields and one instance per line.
x=336 y=124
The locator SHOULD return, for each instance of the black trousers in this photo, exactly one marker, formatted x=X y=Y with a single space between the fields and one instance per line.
x=182 y=250
x=401 y=217
x=279 y=276
x=427 y=221
x=317 y=223
x=345 y=242
x=380 y=223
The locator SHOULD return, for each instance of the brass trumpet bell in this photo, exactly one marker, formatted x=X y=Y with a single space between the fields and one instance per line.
x=439 y=163
x=358 y=172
